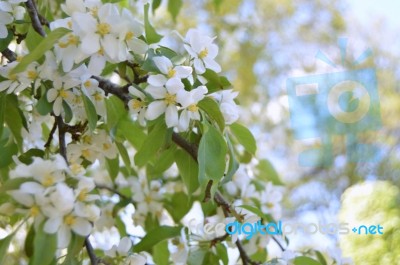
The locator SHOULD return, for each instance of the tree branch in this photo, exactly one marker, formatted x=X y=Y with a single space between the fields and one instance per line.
x=191 y=149
x=10 y=55
x=33 y=14
x=90 y=251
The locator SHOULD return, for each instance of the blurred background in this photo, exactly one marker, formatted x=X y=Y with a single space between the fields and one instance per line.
x=265 y=42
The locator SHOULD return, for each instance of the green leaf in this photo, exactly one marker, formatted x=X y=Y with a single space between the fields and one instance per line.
x=161 y=253
x=321 y=258
x=26 y=157
x=75 y=246
x=233 y=163
x=43 y=106
x=2 y=111
x=4 y=42
x=28 y=246
x=303 y=260
x=151 y=35
x=215 y=82
x=188 y=169
x=222 y=253
x=113 y=167
x=44 y=45
x=164 y=160
x=156 y=4
x=68 y=112
x=13 y=184
x=244 y=137
x=7 y=150
x=211 y=155
x=153 y=142
x=45 y=246
x=131 y=131
x=125 y=156
x=4 y=244
x=196 y=257
x=155 y=236
x=258 y=212
x=90 y=112
x=13 y=118
x=178 y=206
x=210 y=106
x=267 y=172
x=115 y=111
x=174 y=6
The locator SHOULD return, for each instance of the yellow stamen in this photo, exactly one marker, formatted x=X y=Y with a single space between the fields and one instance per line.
x=86 y=154
x=171 y=73
x=32 y=74
x=87 y=139
x=94 y=11
x=193 y=108
x=98 y=96
x=103 y=28
x=69 y=220
x=83 y=194
x=34 y=211
x=101 y=51
x=87 y=83
x=106 y=146
x=69 y=24
x=71 y=40
x=12 y=77
x=170 y=99
x=48 y=180
x=63 y=94
x=203 y=53
x=137 y=104
x=129 y=35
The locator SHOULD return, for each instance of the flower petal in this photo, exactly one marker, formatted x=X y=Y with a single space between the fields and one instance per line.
x=155 y=109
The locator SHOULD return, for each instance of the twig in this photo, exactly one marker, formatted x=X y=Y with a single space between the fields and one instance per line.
x=278 y=243
x=53 y=129
x=243 y=255
x=10 y=55
x=61 y=137
x=109 y=87
x=33 y=14
x=90 y=251
x=113 y=191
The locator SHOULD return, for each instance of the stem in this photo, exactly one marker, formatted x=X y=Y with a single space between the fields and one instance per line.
x=90 y=251
x=33 y=14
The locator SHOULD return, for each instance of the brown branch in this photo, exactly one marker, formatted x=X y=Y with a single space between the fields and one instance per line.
x=53 y=129
x=61 y=136
x=112 y=190
x=10 y=55
x=33 y=14
x=90 y=251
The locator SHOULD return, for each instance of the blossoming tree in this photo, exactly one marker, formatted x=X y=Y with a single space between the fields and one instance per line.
x=98 y=117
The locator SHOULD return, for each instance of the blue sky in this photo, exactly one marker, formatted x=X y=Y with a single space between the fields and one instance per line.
x=389 y=10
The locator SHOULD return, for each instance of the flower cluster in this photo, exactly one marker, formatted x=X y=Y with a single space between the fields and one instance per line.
x=45 y=195
x=9 y=11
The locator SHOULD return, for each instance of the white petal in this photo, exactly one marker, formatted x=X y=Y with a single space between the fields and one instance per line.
x=134 y=91
x=52 y=225
x=31 y=187
x=155 y=109
x=82 y=227
x=90 y=44
x=163 y=64
x=184 y=120
x=22 y=198
x=96 y=64
x=183 y=71
x=57 y=106
x=199 y=66
x=211 y=64
x=171 y=116
x=63 y=236
x=156 y=92
x=157 y=80
x=52 y=94
x=124 y=245
x=173 y=85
